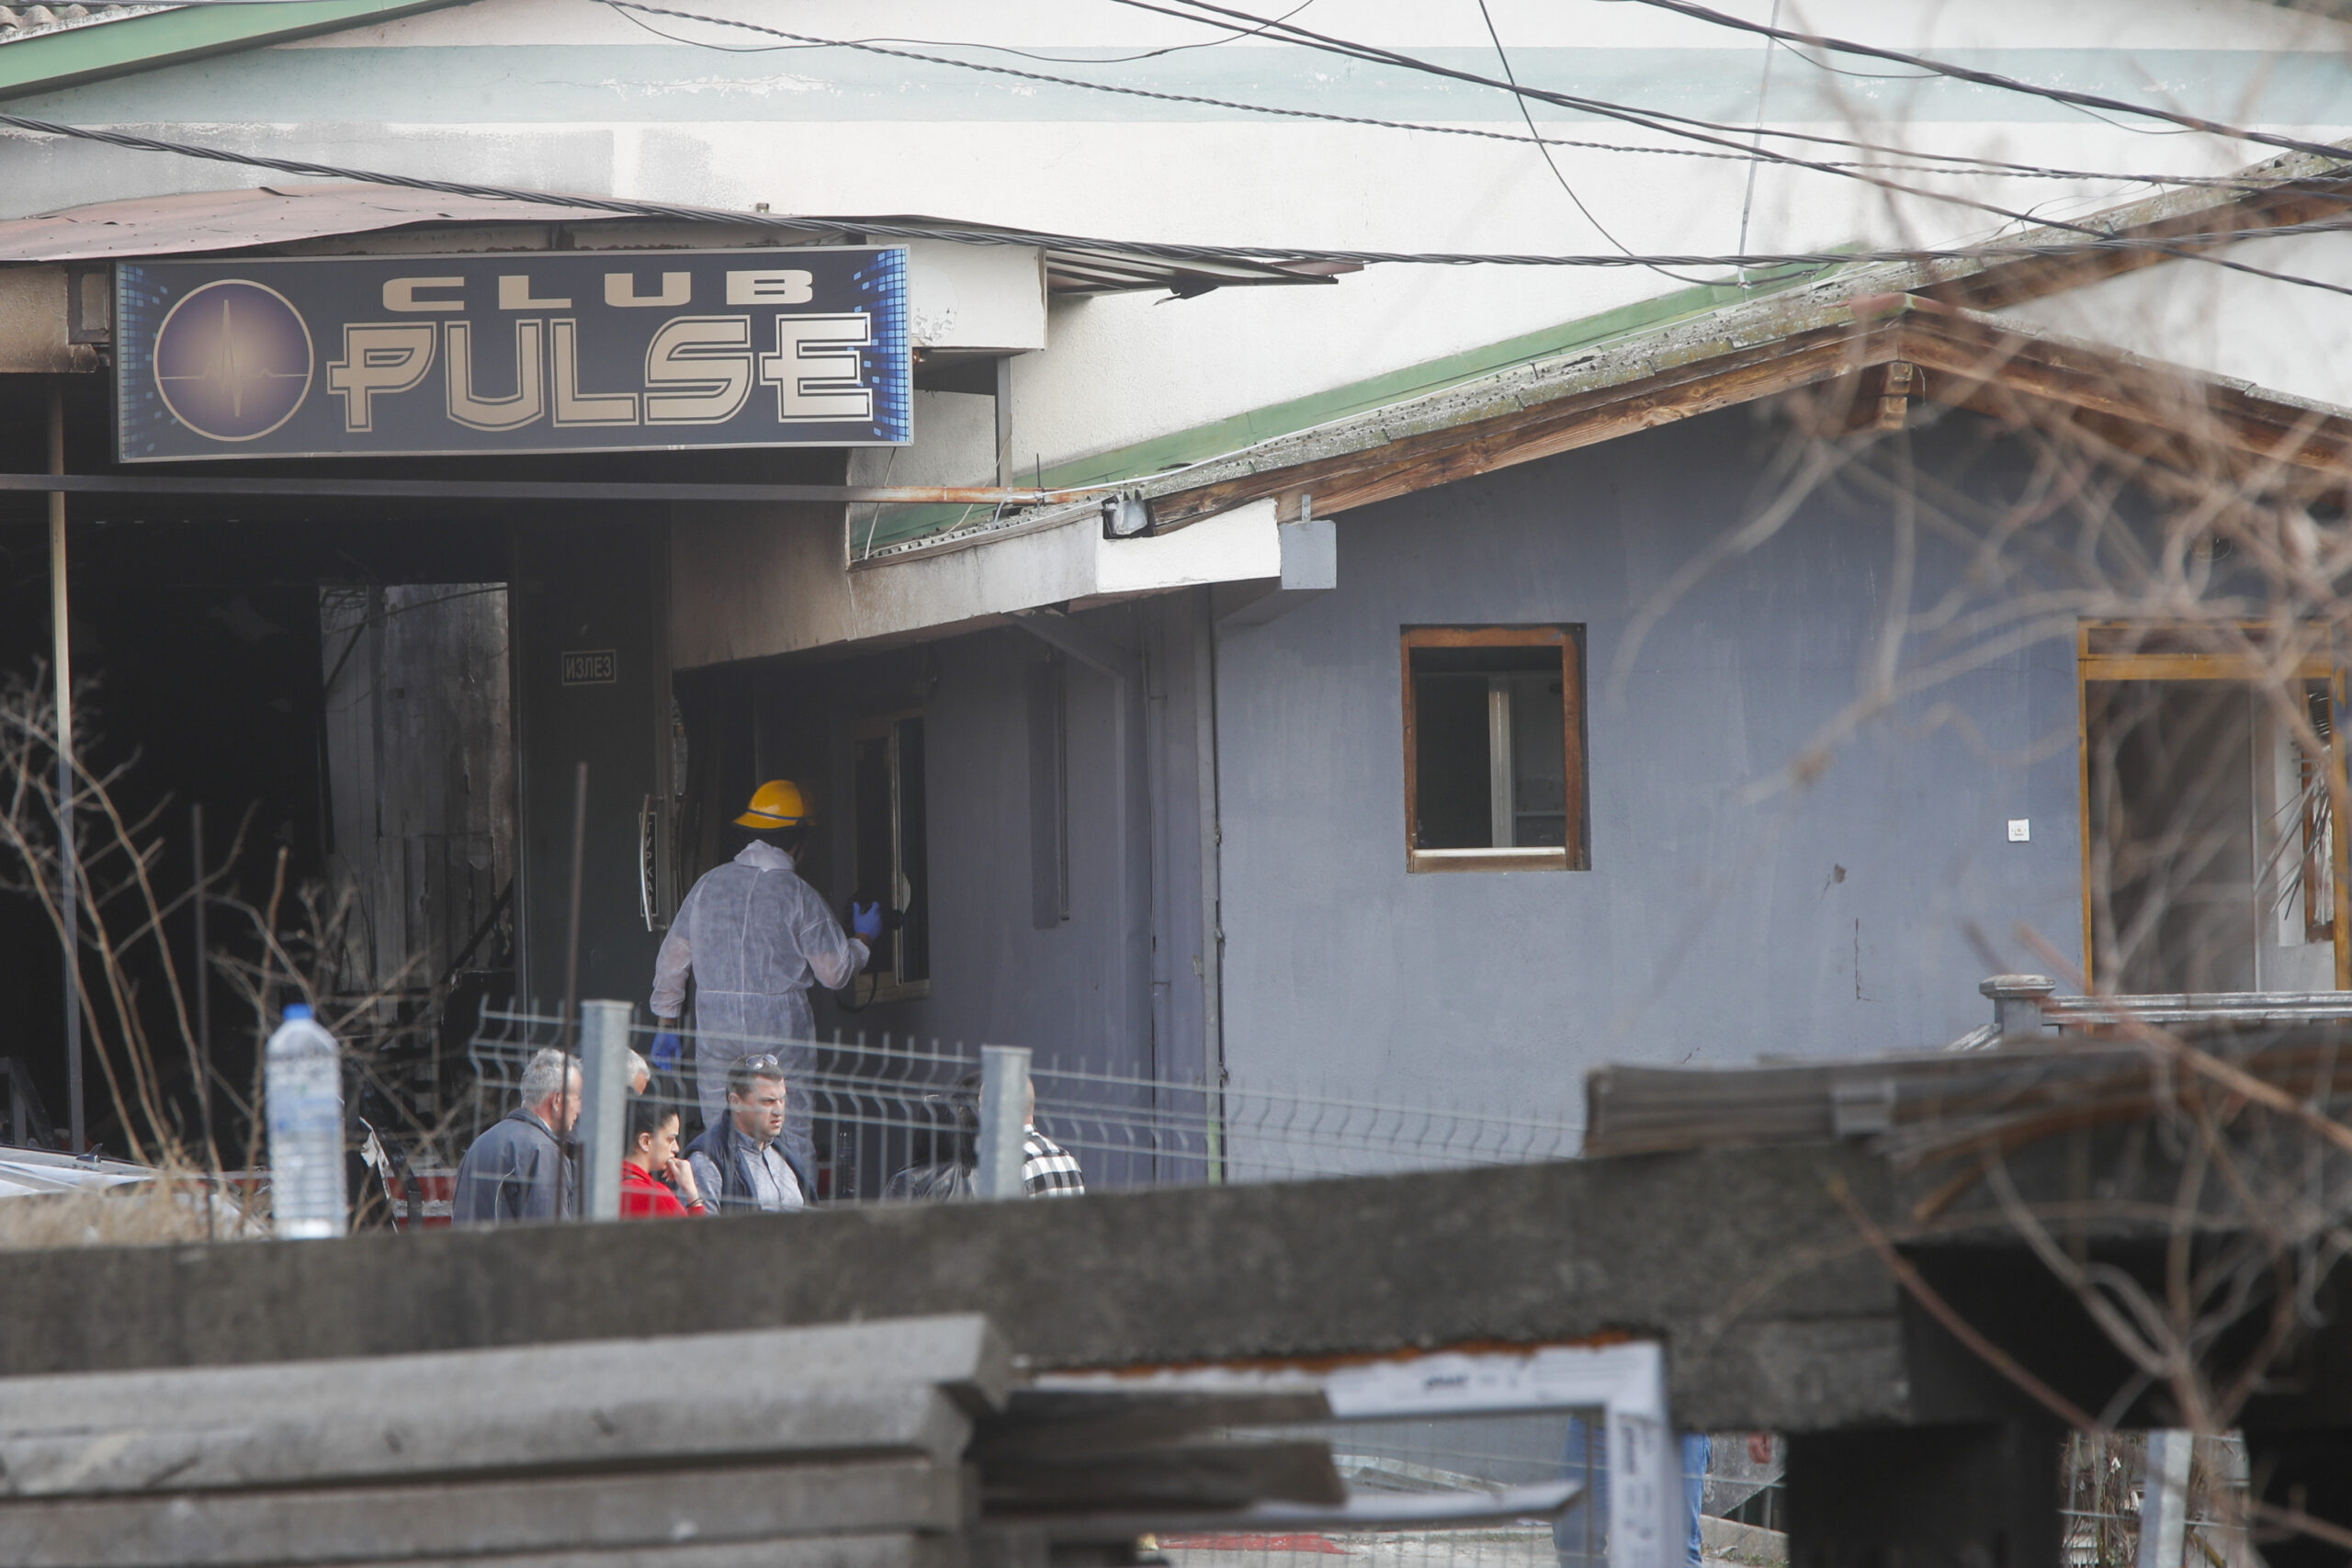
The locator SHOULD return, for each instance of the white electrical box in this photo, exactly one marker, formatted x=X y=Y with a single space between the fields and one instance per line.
x=2020 y=830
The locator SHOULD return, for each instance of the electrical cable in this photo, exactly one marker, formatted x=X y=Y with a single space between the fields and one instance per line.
x=2178 y=245
x=1382 y=56
x=1657 y=119
x=1520 y=104
x=1763 y=93
x=940 y=43
x=1962 y=164
x=864 y=46
x=1993 y=79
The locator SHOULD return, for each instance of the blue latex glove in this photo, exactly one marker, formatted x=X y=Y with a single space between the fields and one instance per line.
x=867 y=918
x=667 y=1048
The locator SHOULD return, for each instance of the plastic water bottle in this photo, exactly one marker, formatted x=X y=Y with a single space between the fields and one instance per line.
x=303 y=1090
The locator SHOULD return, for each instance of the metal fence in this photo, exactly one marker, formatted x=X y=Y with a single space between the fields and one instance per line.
x=875 y=1109
x=2109 y=1479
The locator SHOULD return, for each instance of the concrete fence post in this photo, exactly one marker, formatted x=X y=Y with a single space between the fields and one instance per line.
x=1004 y=1120
x=2164 y=1499
x=603 y=1105
x=2016 y=1001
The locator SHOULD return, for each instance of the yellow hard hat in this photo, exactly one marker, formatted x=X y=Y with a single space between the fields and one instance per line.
x=775 y=804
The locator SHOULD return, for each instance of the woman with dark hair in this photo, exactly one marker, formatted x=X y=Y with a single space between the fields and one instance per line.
x=651 y=1167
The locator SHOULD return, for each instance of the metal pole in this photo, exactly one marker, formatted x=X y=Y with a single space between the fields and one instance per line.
x=68 y=859
x=2164 y=1499
x=201 y=978
x=1004 y=1120
x=1003 y=402
x=567 y=1023
x=603 y=1104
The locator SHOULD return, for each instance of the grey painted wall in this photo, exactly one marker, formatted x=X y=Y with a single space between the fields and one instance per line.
x=1090 y=990
x=1829 y=919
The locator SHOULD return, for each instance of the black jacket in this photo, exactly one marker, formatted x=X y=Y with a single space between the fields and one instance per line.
x=720 y=1153
x=515 y=1171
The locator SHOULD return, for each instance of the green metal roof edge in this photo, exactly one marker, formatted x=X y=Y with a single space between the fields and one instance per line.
x=49 y=60
x=1178 y=448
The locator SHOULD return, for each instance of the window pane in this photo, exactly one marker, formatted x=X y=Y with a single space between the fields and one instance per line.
x=1450 y=759
x=1538 y=757
x=1494 y=734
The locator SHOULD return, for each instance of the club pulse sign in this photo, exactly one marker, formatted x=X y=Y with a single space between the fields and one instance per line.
x=568 y=352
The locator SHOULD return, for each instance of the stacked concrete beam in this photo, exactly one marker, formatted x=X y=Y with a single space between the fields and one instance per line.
x=839 y=1447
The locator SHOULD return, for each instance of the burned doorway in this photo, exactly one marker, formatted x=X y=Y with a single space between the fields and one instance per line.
x=420 y=814
x=2211 y=857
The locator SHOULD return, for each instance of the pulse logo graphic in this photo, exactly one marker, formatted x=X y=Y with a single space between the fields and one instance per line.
x=233 y=360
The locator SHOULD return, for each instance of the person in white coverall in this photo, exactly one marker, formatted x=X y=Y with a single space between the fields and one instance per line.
x=754 y=936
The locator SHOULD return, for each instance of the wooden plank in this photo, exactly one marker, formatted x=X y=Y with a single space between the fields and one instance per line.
x=1537 y=859
x=960 y=1354
x=483 y=1434
x=1423 y=460
x=462 y=1520
x=2146 y=394
x=2010 y=283
x=2250 y=669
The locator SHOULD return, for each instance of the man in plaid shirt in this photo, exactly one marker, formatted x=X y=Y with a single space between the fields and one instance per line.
x=1047 y=1170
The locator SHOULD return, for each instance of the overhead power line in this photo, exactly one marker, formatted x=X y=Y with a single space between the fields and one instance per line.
x=1164 y=251
x=1993 y=79
x=1664 y=121
x=1657 y=121
x=1955 y=163
x=1233 y=36
x=1262 y=25
x=1503 y=55
x=878 y=47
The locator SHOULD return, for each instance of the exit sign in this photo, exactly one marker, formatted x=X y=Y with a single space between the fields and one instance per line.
x=595 y=667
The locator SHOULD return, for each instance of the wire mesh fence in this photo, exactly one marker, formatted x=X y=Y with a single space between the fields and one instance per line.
x=2106 y=1477
x=870 y=1113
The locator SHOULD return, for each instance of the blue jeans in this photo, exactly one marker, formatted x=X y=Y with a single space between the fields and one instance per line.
x=1581 y=1532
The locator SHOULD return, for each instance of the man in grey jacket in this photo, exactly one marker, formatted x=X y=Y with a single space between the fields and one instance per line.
x=518 y=1169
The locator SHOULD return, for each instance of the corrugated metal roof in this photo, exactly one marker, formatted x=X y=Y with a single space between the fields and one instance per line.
x=290 y=214
x=237 y=219
x=32 y=21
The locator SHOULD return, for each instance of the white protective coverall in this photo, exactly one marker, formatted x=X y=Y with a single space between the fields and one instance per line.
x=754 y=935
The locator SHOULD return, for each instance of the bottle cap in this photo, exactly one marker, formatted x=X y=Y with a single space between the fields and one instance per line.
x=297 y=1012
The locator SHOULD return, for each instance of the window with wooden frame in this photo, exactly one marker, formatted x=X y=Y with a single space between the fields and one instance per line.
x=1494 y=749
x=2202 y=806
x=892 y=860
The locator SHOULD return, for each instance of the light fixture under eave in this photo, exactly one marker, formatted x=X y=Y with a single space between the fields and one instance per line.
x=1125 y=516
